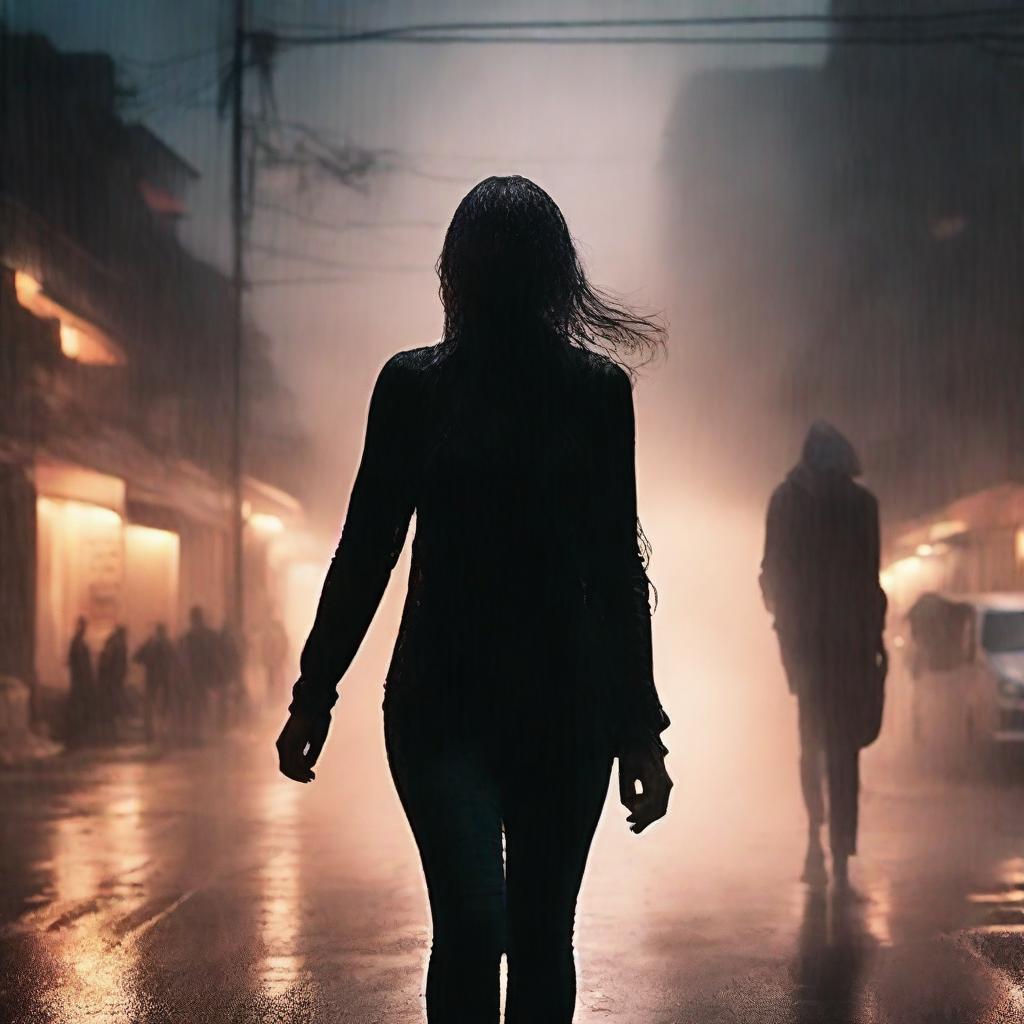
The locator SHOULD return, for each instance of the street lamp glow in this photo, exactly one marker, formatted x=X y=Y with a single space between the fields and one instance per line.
x=70 y=341
x=264 y=522
x=26 y=288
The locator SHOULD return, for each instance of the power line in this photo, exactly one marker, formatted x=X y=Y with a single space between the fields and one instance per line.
x=166 y=62
x=276 y=253
x=445 y=179
x=273 y=252
x=966 y=23
x=351 y=225
x=946 y=39
x=276 y=282
x=183 y=98
x=168 y=81
x=882 y=17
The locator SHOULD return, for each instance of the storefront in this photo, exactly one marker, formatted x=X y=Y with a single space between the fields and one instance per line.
x=92 y=562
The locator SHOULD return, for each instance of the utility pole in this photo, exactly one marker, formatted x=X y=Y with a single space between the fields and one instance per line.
x=236 y=588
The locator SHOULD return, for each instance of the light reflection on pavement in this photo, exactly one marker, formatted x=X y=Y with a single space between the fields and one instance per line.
x=200 y=886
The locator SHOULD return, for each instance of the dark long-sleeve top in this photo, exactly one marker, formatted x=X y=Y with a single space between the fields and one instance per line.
x=527 y=590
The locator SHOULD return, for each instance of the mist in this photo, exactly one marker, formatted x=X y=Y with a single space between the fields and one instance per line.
x=797 y=214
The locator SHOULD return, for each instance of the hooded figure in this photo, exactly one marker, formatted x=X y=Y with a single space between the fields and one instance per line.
x=819 y=578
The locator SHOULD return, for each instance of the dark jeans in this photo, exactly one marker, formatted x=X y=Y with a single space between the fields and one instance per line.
x=838 y=760
x=461 y=797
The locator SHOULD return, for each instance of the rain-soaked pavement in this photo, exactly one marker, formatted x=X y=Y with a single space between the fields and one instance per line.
x=199 y=886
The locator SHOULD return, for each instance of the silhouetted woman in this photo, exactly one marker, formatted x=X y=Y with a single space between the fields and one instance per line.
x=523 y=662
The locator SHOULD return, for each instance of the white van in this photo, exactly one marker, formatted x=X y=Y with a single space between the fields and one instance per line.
x=966 y=662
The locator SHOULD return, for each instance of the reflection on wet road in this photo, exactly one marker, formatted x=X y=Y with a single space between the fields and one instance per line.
x=199 y=886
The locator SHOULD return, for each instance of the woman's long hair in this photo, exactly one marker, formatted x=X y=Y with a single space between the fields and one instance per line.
x=510 y=275
x=509 y=271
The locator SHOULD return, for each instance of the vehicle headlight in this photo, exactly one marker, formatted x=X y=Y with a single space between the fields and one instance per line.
x=1011 y=687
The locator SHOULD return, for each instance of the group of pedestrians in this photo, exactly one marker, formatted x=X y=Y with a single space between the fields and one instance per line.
x=191 y=687
x=98 y=696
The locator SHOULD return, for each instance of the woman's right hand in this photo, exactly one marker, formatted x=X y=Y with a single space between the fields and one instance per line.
x=645 y=765
x=300 y=743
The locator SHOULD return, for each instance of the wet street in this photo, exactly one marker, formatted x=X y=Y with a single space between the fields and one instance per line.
x=199 y=886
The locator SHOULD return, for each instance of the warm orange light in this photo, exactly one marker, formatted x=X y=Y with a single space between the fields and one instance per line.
x=892 y=575
x=26 y=288
x=151 y=537
x=263 y=522
x=946 y=529
x=79 y=510
x=70 y=341
x=152 y=560
x=76 y=483
x=79 y=340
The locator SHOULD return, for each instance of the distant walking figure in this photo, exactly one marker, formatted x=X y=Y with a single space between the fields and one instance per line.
x=819 y=578
x=82 y=695
x=157 y=658
x=201 y=658
x=111 y=673
x=523 y=665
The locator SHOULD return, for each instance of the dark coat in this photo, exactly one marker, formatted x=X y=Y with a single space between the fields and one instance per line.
x=819 y=578
x=80 y=666
x=202 y=656
x=83 y=698
x=157 y=658
x=113 y=665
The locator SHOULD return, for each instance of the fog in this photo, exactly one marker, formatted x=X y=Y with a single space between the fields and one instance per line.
x=691 y=194
x=596 y=127
x=593 y=128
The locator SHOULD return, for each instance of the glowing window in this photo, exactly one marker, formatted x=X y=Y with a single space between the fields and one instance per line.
x=79 y=339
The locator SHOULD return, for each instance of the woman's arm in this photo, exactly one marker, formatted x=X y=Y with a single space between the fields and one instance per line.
x=378 y=517
x=645 y=719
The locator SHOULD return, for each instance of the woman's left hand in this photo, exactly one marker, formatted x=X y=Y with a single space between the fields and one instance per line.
x=299 y=745
x=646 y=766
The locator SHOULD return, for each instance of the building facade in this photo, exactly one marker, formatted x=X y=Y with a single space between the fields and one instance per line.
x=849 y=240
x=115 y=380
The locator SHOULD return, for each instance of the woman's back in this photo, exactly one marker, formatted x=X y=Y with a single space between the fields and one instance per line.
x=510 y=466
x=507 y=460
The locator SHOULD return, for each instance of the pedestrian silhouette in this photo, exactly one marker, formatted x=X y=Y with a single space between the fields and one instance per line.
x=157 y=658
x=523 y=664
x=819 y=578
x=111 y=673
x=82 y=696
x=201 y=660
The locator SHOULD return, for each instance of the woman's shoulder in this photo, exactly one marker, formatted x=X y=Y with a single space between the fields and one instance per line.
x=410 y=362
x=593 y=371
x=404 y=373
x=599 y=370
